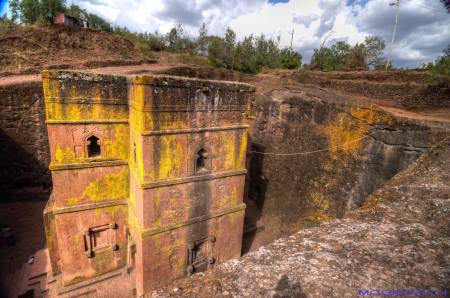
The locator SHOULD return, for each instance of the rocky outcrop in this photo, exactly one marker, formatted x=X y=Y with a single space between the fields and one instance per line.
x=317 y=155
x=398 y=240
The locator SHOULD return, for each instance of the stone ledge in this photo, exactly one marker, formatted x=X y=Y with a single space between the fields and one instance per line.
x=88 y=121
x=95 y=164
x=169 y=182
x=90 y=206
x=193 y=130
x=159 y=230
x=185 y=82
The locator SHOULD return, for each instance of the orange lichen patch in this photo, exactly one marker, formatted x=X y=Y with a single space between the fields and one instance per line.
x=143 y=79
x=347 y=132
x=371 y=202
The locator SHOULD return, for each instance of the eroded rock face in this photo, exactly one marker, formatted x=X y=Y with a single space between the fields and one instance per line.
x=23 y=138
x=338 y=151
x=399 y=239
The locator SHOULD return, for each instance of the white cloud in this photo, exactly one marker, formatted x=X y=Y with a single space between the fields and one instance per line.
x=423 y=25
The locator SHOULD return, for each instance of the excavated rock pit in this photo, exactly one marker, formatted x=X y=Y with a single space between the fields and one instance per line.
x=316 y=155
x=361 y=184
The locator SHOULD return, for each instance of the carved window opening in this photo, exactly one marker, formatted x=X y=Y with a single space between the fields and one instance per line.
x=200 y=255
x=93 y=147
x=100 y=238
x=201 y=161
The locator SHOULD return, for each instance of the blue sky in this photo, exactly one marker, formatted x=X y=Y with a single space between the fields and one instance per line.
x=278 y=1
x=423 y=32
x=3 y=7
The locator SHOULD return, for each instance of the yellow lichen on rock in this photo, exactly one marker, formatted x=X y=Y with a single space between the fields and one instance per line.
x=242 y=150
x=109 y=187
x=347 y=132
x=229 y=152
x=171 y=155
x=64 y=156
x=120 y=144
x=322 y=208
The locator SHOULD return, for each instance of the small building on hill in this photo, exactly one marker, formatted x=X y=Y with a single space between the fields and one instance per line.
x=64 y=19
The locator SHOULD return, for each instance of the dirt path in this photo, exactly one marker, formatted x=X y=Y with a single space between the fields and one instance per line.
x=439 y=115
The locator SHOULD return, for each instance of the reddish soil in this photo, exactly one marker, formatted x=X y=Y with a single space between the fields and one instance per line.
x=29 y=49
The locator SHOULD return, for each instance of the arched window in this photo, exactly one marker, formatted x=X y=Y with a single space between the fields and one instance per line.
x=200 y=163
x=93 y=147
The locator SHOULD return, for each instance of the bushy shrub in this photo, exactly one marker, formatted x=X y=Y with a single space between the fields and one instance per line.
x=290 y=59
x=342 y=56
x=251 y=55
x=438 y=73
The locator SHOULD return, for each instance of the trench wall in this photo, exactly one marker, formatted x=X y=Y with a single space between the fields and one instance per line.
x=23 y=137
x=290 y=192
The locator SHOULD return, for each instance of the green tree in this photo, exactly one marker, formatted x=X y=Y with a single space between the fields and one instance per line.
x=340 y=52
x=290 y=59
x=178 y=41
x=97 y=22
x=323 y=59
x=202 y=40
x=246 y=55
x=438 y=73
x=342 y=56
x=14 y=6
x=49 y=9
x=216 y=46
x=267 y=52
x=374 y=51
x=228 y=49
x=250 y=55
x=6 y=23
x=29 y=11
x=356 y=59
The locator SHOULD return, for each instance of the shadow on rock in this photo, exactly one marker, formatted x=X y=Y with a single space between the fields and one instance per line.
x=288 y=289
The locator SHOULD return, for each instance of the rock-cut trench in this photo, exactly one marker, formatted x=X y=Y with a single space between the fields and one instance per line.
x=315 y=155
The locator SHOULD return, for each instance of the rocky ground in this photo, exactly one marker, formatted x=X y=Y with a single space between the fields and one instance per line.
x=399 y=239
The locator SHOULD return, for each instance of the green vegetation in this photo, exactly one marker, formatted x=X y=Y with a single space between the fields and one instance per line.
x=250 y=55
x=44 y=11
x=342 y=56
x=32 y=11
x=94 y=21
x=438 y=73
